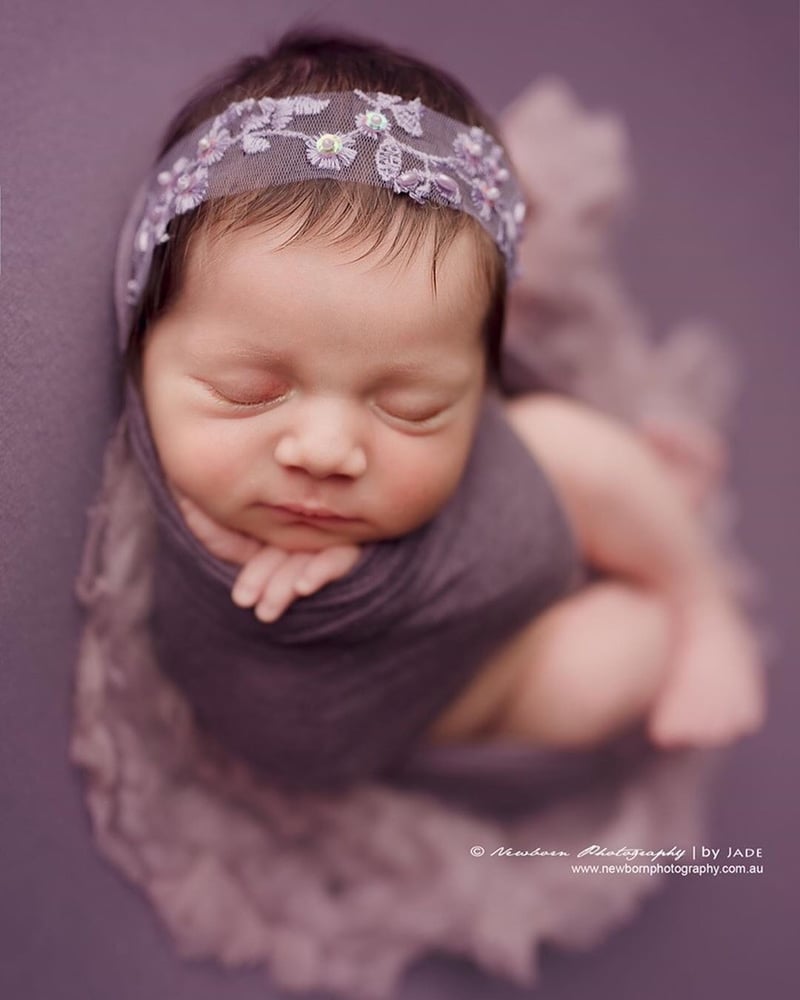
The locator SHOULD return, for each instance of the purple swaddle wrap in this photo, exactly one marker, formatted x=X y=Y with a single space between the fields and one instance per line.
x=343 y=683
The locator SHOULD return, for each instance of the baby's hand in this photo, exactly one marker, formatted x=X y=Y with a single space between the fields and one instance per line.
x=271 y=578
x=716 y=692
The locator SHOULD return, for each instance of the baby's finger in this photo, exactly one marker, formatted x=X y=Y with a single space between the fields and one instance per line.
x=280 y=591
x=328 y=564
x=252 y=581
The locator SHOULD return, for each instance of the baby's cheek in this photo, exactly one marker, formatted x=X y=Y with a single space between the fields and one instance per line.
x=417 y=485
x=205 y=466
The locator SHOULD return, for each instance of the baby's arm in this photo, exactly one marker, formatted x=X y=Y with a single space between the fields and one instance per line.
x=271 y=577
x=631 y=519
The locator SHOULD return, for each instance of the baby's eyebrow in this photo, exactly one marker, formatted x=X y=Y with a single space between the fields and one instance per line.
x=206 y=350
x=265 y=356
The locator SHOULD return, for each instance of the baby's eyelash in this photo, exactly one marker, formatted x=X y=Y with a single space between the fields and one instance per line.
x=417 y=420
x=237 y=405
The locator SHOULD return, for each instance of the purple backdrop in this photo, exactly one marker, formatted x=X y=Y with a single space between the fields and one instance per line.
x=709 y=93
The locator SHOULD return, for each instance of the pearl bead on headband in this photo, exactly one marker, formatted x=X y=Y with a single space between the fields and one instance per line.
x=370 y=138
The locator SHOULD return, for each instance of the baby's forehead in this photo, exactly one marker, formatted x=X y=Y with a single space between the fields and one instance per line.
x=405 y=276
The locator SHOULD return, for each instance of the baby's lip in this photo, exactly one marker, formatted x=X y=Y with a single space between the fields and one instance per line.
x=321 y=513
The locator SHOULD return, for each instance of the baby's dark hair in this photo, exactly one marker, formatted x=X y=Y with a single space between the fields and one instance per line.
x=316 y=59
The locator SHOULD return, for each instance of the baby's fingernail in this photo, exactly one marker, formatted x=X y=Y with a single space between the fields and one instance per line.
x=303 y=586
x=266 y=612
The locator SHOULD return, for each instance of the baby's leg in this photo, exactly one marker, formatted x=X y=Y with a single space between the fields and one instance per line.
x=577 y=675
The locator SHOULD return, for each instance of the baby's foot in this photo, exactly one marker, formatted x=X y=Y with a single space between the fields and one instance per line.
x=693 y=451
x=716 y=690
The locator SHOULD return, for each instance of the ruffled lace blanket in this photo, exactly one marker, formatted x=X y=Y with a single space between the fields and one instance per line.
x=342 y=891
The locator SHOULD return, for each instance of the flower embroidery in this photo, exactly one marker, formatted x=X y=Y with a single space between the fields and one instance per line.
x=211 y=147
x=331 y=151
x=468 y=147
x=485 y=196
x=372 y=122
x=235 y=111
x=254 y=135
x=272 y=117
x=184 y=185
x=407 y=114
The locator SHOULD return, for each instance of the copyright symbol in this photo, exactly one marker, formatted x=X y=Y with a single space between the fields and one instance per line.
x=477 y=851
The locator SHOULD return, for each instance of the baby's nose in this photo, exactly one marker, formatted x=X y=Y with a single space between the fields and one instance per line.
x=324 y=441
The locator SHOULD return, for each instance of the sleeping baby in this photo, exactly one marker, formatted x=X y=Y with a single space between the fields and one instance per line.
x=313 y=358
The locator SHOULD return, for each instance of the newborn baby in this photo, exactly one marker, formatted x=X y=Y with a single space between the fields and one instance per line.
x=305 y=400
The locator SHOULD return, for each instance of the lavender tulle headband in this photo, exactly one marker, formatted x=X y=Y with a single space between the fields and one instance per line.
x=371 y=138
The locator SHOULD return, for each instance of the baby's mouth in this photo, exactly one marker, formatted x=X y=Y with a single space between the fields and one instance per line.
x=295 y=511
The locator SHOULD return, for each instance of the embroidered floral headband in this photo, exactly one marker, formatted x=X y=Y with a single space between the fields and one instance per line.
x=371 y=138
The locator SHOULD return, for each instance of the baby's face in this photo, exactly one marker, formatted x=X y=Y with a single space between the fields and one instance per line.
x=303 y=377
